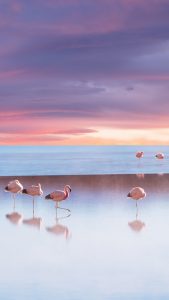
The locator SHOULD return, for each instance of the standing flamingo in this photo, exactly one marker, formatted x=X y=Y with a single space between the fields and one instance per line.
x=137 y=193
x=159 y=156
x=14 y=187
x=34 y=190
x=59 y=196
x=139 y=154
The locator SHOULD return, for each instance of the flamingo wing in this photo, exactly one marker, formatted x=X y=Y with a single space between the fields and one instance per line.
x=58 y=195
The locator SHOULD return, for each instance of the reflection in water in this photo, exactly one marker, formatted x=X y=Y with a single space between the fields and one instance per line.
x=136 y=225
x=34 y=221
x=160 y=174
x=140 y=175
x=14 y=217
x=60 y=229
x=107 y=245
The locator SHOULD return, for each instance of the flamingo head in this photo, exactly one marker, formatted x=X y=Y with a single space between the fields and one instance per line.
x=67 y=187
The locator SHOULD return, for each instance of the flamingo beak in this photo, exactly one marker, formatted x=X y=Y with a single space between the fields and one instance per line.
x=128 y=195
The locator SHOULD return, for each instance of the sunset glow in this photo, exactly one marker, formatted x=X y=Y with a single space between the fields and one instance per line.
x=84 y=72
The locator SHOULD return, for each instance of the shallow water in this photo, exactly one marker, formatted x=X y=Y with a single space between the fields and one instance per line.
x=105 y=250
x=76 y=160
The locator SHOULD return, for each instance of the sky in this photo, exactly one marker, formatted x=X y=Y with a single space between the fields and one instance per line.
x=84 y=72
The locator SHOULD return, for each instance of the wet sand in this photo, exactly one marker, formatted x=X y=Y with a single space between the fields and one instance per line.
x=106 y=249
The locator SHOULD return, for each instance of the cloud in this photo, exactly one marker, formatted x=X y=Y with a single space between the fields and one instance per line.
x=85 y=63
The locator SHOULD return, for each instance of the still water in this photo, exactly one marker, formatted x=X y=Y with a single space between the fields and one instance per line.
x=104 y=250
x=74 y=160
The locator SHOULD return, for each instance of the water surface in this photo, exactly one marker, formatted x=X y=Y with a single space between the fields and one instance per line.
x=105 y=250
x=74 y=160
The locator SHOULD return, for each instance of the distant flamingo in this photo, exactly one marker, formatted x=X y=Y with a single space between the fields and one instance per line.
x=59 y=196
x=159 y=156
x=137 y=193
x=139 y=154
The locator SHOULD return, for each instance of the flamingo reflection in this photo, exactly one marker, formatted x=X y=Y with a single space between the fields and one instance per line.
x=14 y=217
x=60 y=229
x=140 y=175
x=136 y=225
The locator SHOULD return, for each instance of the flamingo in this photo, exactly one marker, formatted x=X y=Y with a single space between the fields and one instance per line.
x=159 y=156
x=139 y=154
x=34 y=190
x=14 y=187
x=58 y=196
x=137 y=193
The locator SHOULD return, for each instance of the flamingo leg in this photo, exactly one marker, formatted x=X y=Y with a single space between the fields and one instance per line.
x=56 y=210
x=136 y=210
x=33 y=202
x=13 y=196
x=65 y=209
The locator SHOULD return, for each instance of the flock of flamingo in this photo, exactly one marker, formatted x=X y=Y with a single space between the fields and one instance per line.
x=140 y=154
x=15 y=187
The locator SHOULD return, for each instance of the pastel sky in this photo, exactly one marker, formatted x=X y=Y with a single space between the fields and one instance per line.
x=92 y=72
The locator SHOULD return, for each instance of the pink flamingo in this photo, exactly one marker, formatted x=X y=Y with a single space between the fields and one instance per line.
x=137 y=193
x=33 y=190
x=14 y=187
x=160 y=155
x=59 y=196
x=139 y=154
